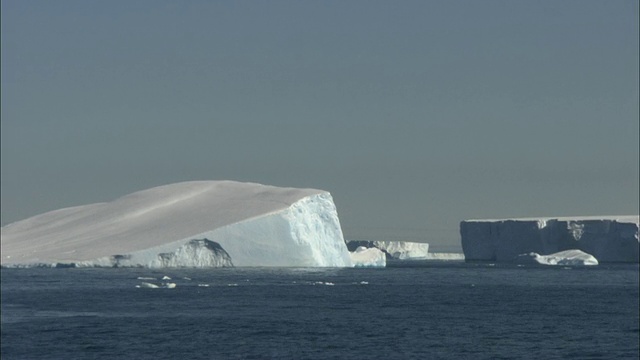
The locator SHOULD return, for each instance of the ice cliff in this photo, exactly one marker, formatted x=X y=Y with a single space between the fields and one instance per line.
x=194 y=224
x=607 y=238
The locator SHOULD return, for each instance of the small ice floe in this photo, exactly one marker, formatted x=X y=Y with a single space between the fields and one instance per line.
x=203 y=285
x=187 y=278
x=232 y=284
x=154 y=286
x=148 y=285
x=323 y=283
x=364 y=283
x=146 y=278
x=329 y=283
x=166 y=278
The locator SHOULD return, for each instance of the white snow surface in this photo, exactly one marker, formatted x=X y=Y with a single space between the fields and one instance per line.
x=401 y=250
x=256 y=225
x=368 y=257
x=607 y=238
x=567 y=258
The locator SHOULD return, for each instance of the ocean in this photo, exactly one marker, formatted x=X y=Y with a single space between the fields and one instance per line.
x=409 y=310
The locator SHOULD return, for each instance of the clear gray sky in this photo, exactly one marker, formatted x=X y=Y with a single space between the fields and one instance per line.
x=415 y=115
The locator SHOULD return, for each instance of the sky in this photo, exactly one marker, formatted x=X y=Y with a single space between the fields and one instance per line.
x=415 y=115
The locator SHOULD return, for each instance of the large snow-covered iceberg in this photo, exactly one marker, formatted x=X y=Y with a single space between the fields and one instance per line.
x=400 y=250
x=607 y=238
x=566 y=258
x=199 y=223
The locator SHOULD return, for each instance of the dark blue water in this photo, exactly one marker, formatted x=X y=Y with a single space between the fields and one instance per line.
x=425 y=310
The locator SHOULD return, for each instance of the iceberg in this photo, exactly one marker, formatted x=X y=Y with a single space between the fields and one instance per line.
x=607 y=238
x=400 y=250
x=445 y=256
x=188 y=224
x=566 y=258
x=368 y=257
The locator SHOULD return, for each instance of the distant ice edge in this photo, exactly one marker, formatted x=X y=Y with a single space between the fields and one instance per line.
x=305 y=234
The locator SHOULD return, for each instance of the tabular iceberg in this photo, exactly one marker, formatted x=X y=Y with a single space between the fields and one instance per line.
x=607 y=238
x=194 y=224
x=400 y=250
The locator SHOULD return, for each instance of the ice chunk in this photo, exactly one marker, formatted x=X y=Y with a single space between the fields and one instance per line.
x=608 y=238
x=565 y=258
x=149 y=285
x=402 y=250
x=368 y=257
x=154 y=286
x=445 y=256
x=186 y=224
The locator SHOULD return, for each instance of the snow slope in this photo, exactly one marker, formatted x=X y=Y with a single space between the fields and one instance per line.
x=607 y=238
x=181 y=224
